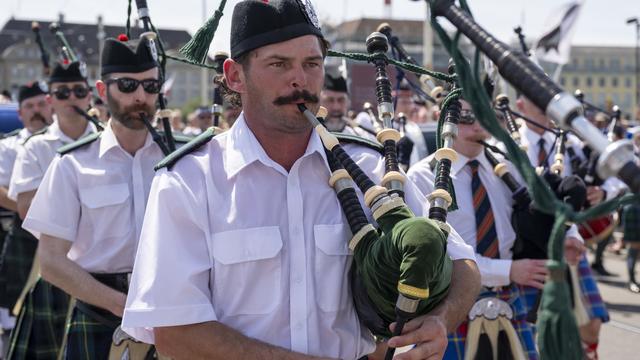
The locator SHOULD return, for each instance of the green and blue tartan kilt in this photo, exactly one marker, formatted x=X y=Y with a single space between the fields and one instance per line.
x=595 y=306
x=40 y=326
x=17 y=257
x=526 y=332
x=87 y=338
x=631 y=222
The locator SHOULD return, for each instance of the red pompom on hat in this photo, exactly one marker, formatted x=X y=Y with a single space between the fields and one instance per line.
x=123 y=38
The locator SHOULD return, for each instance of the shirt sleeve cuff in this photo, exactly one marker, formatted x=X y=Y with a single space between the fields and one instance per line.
x=37 y=227
x=139 y=323
x=22 y=187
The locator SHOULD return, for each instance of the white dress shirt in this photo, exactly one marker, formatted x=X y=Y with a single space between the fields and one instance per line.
x=231 y=236
x=8 y=151
x=612 y=186
x=100 y=193
x=34 y=157
x=494 y=272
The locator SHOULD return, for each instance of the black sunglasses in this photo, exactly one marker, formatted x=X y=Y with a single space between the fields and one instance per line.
x=64 y=92
x=129 y=85
x=467 y=117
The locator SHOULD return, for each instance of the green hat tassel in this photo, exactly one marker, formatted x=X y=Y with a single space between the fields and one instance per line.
x=197 y=48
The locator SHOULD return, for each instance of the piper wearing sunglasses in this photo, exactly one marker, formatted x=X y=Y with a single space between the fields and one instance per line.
x=89 y=248
x=67 y=88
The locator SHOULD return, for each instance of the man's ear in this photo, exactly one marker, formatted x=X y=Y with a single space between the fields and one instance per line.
x=234 y=76
x=101 y=87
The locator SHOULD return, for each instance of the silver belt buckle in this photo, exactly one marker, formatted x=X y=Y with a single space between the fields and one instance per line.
x=490 y=308
x=119 y=336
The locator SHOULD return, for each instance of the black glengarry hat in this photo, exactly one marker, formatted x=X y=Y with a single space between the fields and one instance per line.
x=30 y=90
x=69 y=72
x=337 y=83
x=120 y=56
x=256 y=23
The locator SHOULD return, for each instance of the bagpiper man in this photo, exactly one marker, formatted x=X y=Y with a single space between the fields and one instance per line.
x=243 y=252
x=103 y=181
x=483 y=219
x=17 y=247
x=335 y=98
x=44 y=306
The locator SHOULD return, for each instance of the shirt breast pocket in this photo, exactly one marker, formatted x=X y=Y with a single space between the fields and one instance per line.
x=332 y=263
x=247 y=271
x=108 y=209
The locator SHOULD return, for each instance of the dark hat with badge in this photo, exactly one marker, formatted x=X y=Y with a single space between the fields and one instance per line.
x=69 y=72
x=257 y=23
x=337 y=83
x=30 y=90
x=118 y=55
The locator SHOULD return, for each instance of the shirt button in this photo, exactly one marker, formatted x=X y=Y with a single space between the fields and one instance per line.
x=298 y=326
x=297 y=280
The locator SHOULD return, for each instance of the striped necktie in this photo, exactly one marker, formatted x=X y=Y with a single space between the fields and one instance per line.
x=542 y=154
x=486 y=235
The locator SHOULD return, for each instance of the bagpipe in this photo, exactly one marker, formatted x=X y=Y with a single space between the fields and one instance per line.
x=558 y=336
x=44 y=54
x=400 y=270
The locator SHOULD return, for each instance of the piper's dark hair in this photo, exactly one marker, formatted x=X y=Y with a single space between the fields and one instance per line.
x=232 y=97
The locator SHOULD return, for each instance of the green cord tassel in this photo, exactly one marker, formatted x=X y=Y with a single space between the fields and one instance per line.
x=558 y=332
x=197 y=48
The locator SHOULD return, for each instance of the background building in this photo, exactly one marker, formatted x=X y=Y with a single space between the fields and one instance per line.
x=20 y=56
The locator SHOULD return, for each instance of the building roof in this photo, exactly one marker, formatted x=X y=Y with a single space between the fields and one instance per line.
x=82 y=37
x=409 y=31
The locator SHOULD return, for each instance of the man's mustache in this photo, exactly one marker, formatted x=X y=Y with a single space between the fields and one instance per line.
x=296 y=96
x=38 y=117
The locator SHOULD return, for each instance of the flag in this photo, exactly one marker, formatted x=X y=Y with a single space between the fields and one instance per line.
x=555 y=43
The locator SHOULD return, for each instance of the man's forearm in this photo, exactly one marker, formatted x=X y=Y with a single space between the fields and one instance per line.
x=214 y=340
x=77 y=282
x=5 y=202
x=24 y=202
x=464 y=289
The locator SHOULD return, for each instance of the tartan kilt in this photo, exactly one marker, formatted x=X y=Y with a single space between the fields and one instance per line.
x=87 y=338
x=593 y=303
x=456 y=347
x=17 y=257
x=40 y=326
x=631 y=222
x=590 y=294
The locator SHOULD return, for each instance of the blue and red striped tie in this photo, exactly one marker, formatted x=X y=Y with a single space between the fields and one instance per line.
x=486 y=235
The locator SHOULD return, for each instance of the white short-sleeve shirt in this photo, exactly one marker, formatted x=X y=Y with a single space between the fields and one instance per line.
x=494 y=272
x=231 y=236
x=95 y=197
x=34 y=157
x=8 y=151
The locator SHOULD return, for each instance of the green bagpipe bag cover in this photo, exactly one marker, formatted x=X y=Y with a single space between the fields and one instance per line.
x=407 y=251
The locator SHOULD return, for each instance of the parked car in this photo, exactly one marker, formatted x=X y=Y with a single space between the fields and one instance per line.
x=9 y=120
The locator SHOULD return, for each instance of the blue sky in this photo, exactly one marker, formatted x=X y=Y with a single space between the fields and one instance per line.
x=602 y=22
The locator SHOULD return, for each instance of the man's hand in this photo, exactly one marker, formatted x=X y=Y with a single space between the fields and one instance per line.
x=428 y=333
x=595 y=195
x=573 y=250
x=529 y=272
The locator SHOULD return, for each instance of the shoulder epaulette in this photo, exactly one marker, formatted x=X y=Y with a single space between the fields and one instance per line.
x=355 y=139
x=10 y=134
x=39 y=132
x=79 y=143
x=191 y=146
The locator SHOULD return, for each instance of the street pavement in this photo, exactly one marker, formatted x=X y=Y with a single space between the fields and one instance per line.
x=619 y=338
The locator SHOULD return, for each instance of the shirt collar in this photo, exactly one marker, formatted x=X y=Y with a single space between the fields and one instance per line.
x=109 y=141
x=243 y=148
x=461 y=162
x=55 y=133
x=533 y=137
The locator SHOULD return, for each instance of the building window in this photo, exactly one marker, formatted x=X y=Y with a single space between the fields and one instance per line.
x=614 y=82
x=627 y=82
x=602 y=82
x=563 y=81
x=589 y=81
x=576 y=81
x=615 y=64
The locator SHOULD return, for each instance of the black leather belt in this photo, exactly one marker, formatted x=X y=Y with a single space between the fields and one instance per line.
x=119 y=282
